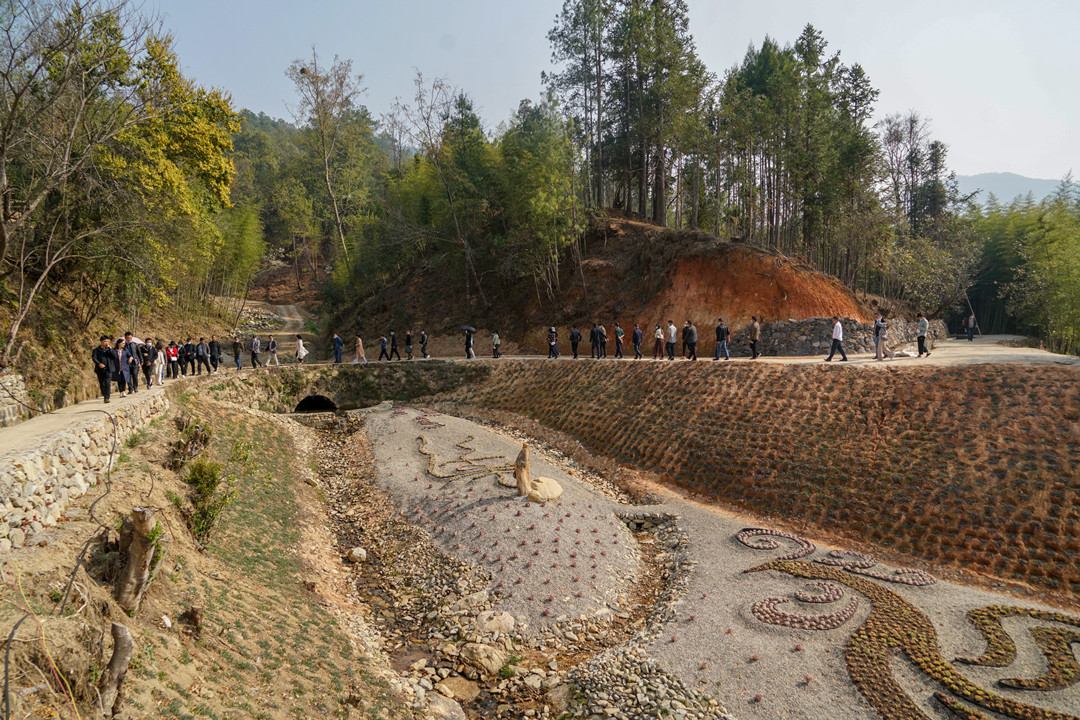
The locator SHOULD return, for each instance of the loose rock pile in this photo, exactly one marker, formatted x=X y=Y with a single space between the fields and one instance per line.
x=446 y=619
x=256 y=320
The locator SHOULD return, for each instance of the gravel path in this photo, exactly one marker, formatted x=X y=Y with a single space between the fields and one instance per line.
x=714 y=641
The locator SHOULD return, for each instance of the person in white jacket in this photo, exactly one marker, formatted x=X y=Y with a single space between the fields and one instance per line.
x=837 y=340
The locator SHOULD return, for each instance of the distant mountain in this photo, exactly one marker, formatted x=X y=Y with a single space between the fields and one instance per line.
x=1005 y=186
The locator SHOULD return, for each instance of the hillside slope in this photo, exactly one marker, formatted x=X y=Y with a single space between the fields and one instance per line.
x=631 y=272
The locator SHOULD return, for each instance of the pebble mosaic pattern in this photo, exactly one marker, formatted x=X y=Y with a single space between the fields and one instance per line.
x=895 y=626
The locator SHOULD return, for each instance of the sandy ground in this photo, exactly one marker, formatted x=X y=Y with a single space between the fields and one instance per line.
x=714 y=643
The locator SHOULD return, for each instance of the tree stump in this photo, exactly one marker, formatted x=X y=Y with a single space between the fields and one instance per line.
x=114 y=674
x=139 y=548
x=521 y=471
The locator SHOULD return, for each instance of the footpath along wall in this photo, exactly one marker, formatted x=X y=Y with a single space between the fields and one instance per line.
x=37 y=483
x=813 y=336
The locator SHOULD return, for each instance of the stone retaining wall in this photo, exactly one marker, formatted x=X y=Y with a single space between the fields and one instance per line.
x=11 y=409
x=36 y=485
x=814 y=337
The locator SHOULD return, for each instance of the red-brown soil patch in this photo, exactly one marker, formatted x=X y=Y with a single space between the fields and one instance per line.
x=971 y=468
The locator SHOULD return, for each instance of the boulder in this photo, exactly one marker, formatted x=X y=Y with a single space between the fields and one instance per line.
x=544 y=489
x=477 y=598
x=443 y=708
x=484 y=657
x=492 y=621
x=357 y=555
x=521 y=471
x=459 y=688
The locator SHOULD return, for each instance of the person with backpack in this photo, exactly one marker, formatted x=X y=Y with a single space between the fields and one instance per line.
x=575 y=338
x=882 y=327
x=970 y=325
x=106 y=366
x=722 y=335
x=637 y=337
x=238 y=352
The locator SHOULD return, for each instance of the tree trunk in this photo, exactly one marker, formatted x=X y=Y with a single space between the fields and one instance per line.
x=113 y=676
x=137 y=573
x=642 y=192
x=660 y=189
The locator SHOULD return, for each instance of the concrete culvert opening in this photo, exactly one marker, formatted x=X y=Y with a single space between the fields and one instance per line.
x=316 y=403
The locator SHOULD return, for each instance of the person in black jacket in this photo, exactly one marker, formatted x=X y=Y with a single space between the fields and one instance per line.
x=691 y=339
x=575 y=338
x=594 y=341
x=106 y=366
x=187 y=358
x=637 y=337
x=722 y=335
x=147 y=355
x=393 y=347
x=132 y=362
x=423 y=345
x=408 y=344
x=215 y=352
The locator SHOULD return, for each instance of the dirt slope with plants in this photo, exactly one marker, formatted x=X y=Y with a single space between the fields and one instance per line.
x=631 y=272
x=969 y=470
x=253 y=620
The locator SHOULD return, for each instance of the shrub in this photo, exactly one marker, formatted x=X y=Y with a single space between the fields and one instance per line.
x=212 y=493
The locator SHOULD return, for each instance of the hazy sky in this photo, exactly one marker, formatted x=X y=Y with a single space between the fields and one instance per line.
x=998 y=78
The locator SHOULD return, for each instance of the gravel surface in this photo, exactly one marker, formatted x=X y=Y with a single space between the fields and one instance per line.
x=705 y=638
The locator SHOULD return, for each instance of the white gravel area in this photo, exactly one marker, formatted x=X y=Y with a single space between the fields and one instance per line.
x=548 y=561
x=714 y=643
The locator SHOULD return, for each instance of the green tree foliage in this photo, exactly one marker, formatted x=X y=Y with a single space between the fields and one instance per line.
x=107 y=154
x=1042 y=295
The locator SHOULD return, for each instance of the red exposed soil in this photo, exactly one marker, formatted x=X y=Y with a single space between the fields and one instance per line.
x=972 y=468
x=633 y=272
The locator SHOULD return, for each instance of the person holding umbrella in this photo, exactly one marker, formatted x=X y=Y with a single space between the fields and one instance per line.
x=469 y=330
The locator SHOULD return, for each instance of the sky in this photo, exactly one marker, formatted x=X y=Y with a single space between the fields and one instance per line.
x=996 y=78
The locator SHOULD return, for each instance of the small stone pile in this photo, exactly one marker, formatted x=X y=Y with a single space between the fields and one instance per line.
x=257 y=320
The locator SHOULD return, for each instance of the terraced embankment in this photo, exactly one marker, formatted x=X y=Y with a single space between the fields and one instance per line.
x=971 y=468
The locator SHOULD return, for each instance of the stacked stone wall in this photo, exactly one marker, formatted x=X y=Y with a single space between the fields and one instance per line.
x=37 y=484
x=813 y=336
x=12 y=396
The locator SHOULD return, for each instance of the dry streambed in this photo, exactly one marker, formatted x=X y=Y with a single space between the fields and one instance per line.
x=492 y=604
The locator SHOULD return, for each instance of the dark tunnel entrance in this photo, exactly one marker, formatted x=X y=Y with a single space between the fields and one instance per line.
x=316 y=403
